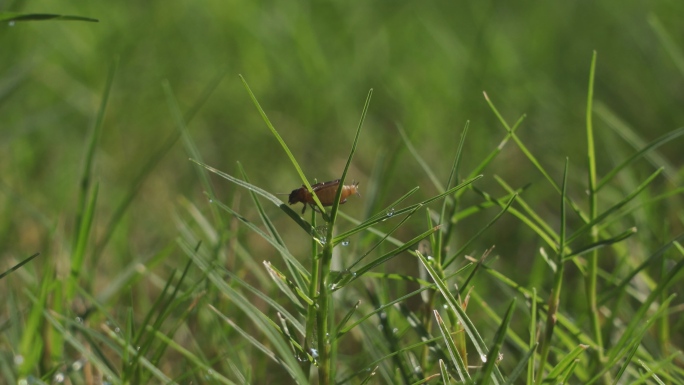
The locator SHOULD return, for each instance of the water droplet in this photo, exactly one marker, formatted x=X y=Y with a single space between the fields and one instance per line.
x=314 y=353
x=59 y=377
x=211 y=201
x=395 y=331
x=78 y=365
x=117 y=330
x=483 y=358
x=445 y=306
x=345 y=242
x=380 y=327
x=11 y=23
x=354 y=275
x=390 y=212
x=79 y=320
x=18 y=359
x=429 y=258
x=323 y=239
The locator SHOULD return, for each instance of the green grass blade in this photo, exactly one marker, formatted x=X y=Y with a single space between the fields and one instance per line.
x=670 y=136
x=467 y=244
x=522 y=146
x=14 y=16
x=18 y=266
x=670 y=45
x=564 y=364
x=467 y=325
x=499 y=337
x=520 y=367
x=456 y=358
x=394 y=214
x=282 y=144
x=78 y=257
x=598 y=219
x=423 y=164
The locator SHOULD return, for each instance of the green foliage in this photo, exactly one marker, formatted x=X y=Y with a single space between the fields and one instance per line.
x=153 y=267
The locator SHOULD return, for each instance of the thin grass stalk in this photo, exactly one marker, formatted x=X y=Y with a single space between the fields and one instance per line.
x=326 y=370
x=592 y=273
x=554 y=299
x=311 y=314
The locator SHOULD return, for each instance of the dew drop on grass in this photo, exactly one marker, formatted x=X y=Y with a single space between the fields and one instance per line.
x=11 y=23
x=59 y=378
x=314 y=353
x=390 y=212
x=18 y=359
x=395 y=331
x=117 y=330
x=345 y=242
x=483 y=358
x=79 y=320
x=77 y=365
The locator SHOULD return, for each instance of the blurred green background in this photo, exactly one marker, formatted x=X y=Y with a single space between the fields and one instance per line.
x=311 y=65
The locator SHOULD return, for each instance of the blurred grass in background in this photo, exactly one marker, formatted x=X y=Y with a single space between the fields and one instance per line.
x=311 y=65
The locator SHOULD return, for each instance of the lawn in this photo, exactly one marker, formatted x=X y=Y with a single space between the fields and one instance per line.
x=512 y=178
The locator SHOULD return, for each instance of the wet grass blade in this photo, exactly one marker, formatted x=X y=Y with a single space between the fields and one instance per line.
x=14 y=16
x=456 y=358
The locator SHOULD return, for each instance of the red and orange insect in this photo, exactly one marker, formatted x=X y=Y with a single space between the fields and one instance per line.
x=325 y=192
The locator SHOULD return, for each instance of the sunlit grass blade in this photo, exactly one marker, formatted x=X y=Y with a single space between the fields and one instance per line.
x=598 y=219
x=456 y=358
x=467 y=244
x=275 y=133
x=499 y=337
x=18 y=265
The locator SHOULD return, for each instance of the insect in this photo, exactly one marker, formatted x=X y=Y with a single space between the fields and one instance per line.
x=325 y=193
